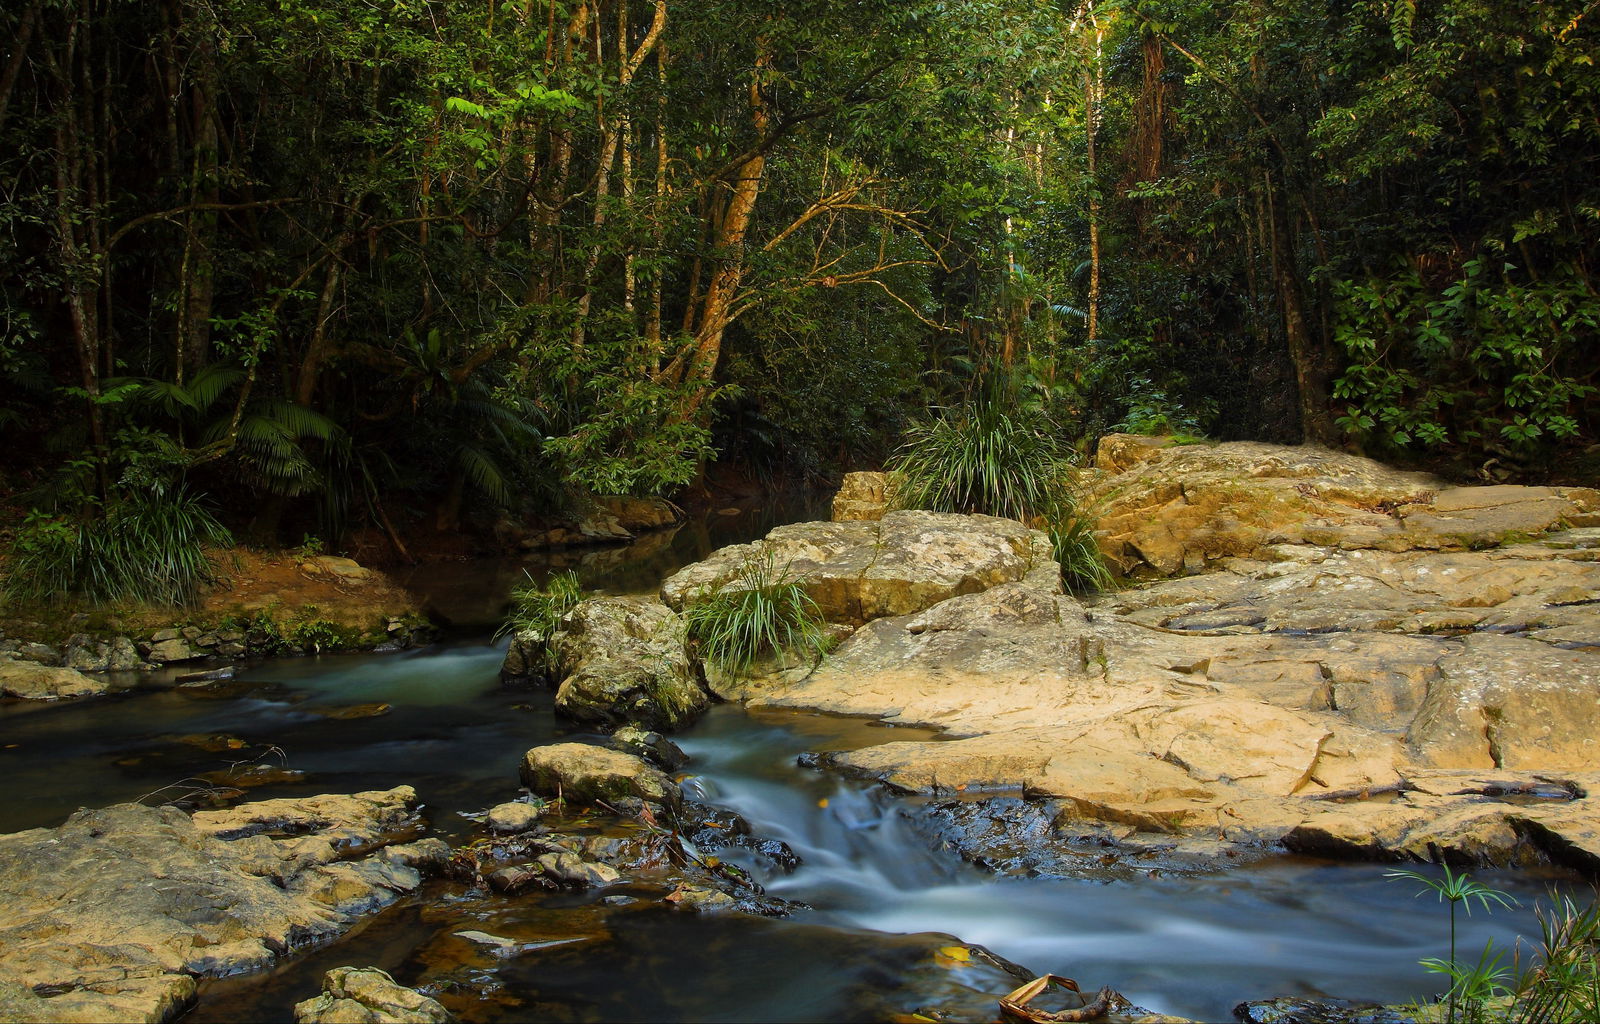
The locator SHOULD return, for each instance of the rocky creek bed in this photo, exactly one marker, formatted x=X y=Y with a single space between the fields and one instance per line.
x=1353 y=663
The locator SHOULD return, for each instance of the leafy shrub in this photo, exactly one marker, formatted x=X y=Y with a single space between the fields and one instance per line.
x=1002 y=458
x=760 y=613
x=146 y=547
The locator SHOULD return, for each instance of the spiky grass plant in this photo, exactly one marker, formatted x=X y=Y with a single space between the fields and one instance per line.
x=1001 y=457
x=148 y=548
x=1564 y=982
x=1471 y=986
x=762 y=612
x=535 y=612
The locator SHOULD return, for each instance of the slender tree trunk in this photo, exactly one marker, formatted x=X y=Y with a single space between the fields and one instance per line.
x=658 y=227
x=1305 y=353
x=1093 y=84
x=612 y=132
x=19 y=53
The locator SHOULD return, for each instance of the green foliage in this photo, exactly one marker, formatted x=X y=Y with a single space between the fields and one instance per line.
x=536 y=611
x=1471 y=986
x=147 y=547
x=1491 y=360
x=1001 y=455
x=761 y=613
x=1564 y=982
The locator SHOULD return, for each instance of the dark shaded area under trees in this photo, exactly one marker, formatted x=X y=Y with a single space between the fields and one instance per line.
x=397 y=265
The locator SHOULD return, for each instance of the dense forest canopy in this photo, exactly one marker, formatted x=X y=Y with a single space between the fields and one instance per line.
x=398 y=261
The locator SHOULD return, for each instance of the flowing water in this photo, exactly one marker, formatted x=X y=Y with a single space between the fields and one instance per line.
x=874 y=885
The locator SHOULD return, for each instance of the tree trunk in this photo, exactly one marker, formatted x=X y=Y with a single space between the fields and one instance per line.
x=717 y=304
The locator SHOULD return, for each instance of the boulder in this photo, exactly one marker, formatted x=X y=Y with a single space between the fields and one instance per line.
x=366 y=995
x=176 y=649
x=33 y=681
x=514 y=816
x=862 y=496
x=581 y=773
x=1169 y=508
x=860 y=571
x=624 y=661
x=651 y=746
x=568 y=869
x=119 y=909
x=635 y=514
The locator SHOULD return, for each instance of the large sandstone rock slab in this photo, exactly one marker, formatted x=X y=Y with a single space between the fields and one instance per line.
x=906 y=562
x=624 y=661
x=1167 y=509
x=116 y=911
x=32 y=681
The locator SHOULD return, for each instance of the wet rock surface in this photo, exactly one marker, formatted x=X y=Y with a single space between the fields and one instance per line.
x=366 y=995
x=1329 y=683
x=581 y=773
x=112 y=915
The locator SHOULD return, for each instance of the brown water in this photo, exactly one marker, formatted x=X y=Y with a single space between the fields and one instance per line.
x=1187 y=945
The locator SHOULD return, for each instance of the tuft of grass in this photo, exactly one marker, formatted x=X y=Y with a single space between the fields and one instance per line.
x=1564 y=981
x=536 y=610
x=1001 y=458
x=148 y=548
x=761 y=612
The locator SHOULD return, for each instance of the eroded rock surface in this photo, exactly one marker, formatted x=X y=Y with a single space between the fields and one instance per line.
x=1360 y=685
x=1167 y=508
x=860 y=571
x=619 y=661
x=118 y=910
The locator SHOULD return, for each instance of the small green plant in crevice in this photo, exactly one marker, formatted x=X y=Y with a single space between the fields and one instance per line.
x=1001 y=457
x=1471 y=986
x=762 y=612
x=535 y=612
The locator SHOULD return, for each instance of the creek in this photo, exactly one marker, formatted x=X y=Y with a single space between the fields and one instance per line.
x=1192 y=945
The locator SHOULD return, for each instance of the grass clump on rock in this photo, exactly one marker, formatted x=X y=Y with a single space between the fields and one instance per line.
x=1000 y=456
x=761 y=613
x=535 y=613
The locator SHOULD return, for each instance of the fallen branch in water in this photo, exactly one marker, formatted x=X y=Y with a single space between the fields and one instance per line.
x=1015 y=1006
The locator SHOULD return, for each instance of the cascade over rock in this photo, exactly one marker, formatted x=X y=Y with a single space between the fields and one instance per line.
x=1362 y=662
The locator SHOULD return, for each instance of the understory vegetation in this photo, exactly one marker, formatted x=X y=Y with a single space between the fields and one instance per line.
x=1002 y=454
x=385 y=272
x=762 y=614
x=1560 y=982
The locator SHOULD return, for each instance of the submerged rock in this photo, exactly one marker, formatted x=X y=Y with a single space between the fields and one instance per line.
x=117 y=911
x=366 y=995
x=1310 y=1010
